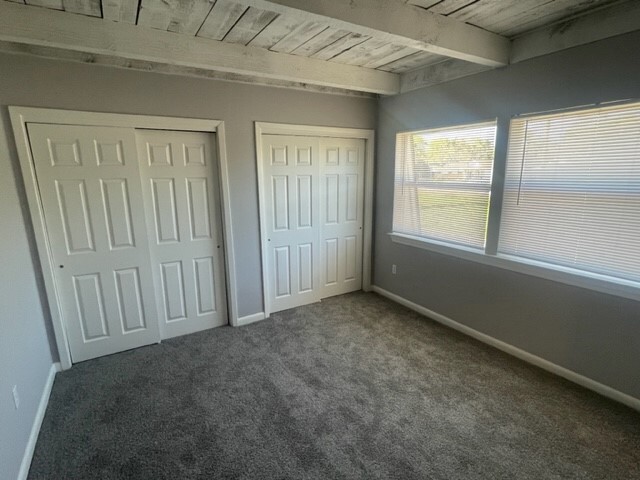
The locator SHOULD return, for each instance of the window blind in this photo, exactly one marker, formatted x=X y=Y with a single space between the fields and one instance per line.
x=572 y=190
x=443 y=183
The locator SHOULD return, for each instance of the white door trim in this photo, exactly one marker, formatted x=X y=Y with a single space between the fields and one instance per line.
x=264 y=128
x=20 y=116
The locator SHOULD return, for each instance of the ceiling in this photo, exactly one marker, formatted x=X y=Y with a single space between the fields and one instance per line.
x=318 y=33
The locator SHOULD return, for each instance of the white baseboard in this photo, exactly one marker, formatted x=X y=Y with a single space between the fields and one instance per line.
x=256 y=317
x=37 y=422
x=516 y=352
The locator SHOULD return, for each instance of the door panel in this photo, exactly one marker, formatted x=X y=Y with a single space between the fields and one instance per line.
x=89 y=294
x=89 y=182
x=342 y=219
x=129 y=297
x=164 y=203
x=330 y=199
x=180 y=185
x=205 y=285
x=282 y=272
x=115 y=195
x=280 y=195
x=173 y=290
x=330 y=261
x=291 y=184
x=199 y=214
x=74 y=213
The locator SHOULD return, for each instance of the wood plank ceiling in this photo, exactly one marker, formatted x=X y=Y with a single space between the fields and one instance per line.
x=235 y=22
x=238 y=23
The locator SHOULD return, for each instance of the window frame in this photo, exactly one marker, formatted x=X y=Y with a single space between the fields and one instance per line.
x=489 y=256
x=443 y=243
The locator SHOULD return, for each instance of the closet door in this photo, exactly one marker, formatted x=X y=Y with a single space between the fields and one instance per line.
x=89 y=184
x=290 y=185
x=181 y=189
x=313 y=192
x=341 y=215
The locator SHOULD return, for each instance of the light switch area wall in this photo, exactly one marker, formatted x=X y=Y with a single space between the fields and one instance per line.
x=30 y=81
x=25 y=358
x=591 y=333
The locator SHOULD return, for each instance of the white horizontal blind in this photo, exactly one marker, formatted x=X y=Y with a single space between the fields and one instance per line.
x=572 y=190
x=443 y=183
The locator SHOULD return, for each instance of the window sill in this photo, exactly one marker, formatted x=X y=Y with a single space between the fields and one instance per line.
x=569 y=276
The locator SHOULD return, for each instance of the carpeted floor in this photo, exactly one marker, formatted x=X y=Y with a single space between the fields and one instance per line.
x=353 y=387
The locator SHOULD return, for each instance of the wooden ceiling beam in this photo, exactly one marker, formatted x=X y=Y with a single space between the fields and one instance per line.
x=602 y=23
x=50 y=28
x=401 y=24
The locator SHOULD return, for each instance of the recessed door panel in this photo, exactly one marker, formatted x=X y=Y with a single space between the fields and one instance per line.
x=115 y=197
x=278 y=155
x=350 y=257
x=194 y=155
x=159 y=155
x=332 y=156
x=305 y=201
x=199 y=215
x=303 y=156
x=331 y=199
x=173 y=289
x=64 y=153
x=353 y=157
x=331 y=261
x=74 y=212
x=164 y=202
x=205 y=285
x=91 y=306
x=351 y=197
x=129 y=296
x=89 y=184
x=280 y=202
x=282 y=271
x=109 y=154
x=305 y=267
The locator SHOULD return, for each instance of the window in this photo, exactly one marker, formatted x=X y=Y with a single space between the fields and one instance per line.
x=443 y=183
x=571 y=204
x=572 y=190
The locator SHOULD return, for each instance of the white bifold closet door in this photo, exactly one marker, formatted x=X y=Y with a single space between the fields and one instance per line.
x=91 y=195
x=291 y=184
x=180 y=186
x=134 y=228
x=341 y=215
x=314 y=207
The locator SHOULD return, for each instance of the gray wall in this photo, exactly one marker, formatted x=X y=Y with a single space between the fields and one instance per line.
x=25 y=358
x=591 y=333
x=31 y=81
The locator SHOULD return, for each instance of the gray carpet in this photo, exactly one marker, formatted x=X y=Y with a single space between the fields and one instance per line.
x=354 y=387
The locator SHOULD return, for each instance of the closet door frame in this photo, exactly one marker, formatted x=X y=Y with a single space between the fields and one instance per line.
x=264 y=128
x=22 y=116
